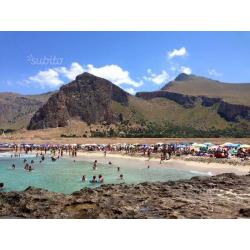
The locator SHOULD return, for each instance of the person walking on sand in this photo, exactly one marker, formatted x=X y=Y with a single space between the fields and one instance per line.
x=149 y=153
x=105 y=152
x=162 y=158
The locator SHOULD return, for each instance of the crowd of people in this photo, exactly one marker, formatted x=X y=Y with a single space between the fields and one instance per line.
x=162 y=150
x=54 y=153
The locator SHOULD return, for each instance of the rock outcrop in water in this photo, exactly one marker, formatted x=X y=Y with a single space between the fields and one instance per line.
x=221 y=196
x=88 y=98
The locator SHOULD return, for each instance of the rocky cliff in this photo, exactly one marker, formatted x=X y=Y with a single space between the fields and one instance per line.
x=221 y=196
x=88 y=98
x=230 y=112
x=16 y=110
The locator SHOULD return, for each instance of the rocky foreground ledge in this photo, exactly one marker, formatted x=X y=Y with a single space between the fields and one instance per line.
x=221 y=196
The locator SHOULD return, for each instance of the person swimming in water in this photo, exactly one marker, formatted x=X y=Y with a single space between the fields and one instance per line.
x=121 y=176
x=93 y=179
x=110 y=163
x=100 y=178
x=13 y=166
x=24 y=160
x=53 y=158
x=26 y=167
x=32 y=162
x=84 y=178
x=1 y=186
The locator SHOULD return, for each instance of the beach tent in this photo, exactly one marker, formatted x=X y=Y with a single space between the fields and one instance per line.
x=233 y=151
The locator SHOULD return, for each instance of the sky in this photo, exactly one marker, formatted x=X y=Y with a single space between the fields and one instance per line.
x=38 y=62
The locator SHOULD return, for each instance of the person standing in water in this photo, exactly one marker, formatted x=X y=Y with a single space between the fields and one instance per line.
x=95 y=165
x=100 y=178
x=84 y=178
x=13 y=166
x=94 y=179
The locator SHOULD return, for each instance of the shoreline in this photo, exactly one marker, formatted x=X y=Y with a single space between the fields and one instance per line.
x=224 y=196
x=191 y=165
x=178 y=164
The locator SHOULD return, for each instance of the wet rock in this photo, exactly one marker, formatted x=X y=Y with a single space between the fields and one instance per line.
x=200 y=197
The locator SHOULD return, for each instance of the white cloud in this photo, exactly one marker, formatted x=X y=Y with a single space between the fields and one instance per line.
x=185 y=70
x=157 y=79
x=53 y=77
x=49 y=78
x=113 y=73
x=71 y=73
x=177 y=52
x=130 y=90
x=213 y=72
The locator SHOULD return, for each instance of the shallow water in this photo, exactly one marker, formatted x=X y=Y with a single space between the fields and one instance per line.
x=64 y=175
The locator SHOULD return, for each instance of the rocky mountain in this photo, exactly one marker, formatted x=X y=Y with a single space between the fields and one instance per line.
x=187 y=104
x=88 y=98
x=190 y=91
x=16 y=110
x=192 y=85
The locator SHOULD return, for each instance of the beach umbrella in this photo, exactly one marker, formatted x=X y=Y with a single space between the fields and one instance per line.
x=197 y=145
x=227 y=144
x=159 y=143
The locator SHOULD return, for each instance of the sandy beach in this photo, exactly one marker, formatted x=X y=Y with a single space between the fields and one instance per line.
x=140 y=161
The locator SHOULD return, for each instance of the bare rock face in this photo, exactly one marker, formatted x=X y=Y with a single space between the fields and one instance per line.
x=230 y=112
x=221 y=196
x=88 y=98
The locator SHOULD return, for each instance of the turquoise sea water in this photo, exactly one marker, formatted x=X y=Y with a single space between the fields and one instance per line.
x=64 y=175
